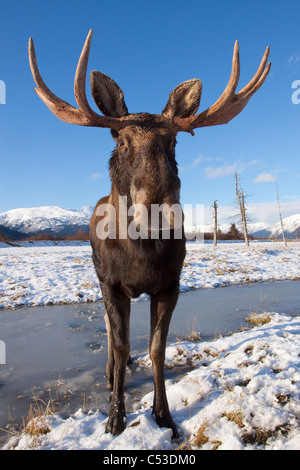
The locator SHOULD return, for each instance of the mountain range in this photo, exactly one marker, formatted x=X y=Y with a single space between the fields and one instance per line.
x=53 y=220
x=21 y=223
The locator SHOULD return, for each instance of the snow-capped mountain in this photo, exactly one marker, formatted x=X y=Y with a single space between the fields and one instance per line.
x=258 y=229
x=54 y=220
x=46 y=219
x=291 y=227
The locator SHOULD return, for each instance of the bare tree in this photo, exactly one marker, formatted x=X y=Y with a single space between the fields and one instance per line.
x=241 y=201
x=280 y=217
x=215 y=222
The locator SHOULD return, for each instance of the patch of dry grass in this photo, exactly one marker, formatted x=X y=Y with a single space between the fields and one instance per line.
x=259 y=319
x=36 y=422
x=235 y=417
x=200 y=437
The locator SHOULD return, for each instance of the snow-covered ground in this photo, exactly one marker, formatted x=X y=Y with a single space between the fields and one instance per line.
x=243 y=392
x=45 y=273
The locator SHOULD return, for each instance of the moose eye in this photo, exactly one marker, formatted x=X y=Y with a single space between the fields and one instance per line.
x=121 y=143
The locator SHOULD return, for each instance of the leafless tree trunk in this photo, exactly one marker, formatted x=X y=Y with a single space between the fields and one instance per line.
x=281 y=222
x=241 y=201
x=215 y=222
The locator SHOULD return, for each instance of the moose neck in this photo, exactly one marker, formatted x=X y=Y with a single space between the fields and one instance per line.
x=145 y=185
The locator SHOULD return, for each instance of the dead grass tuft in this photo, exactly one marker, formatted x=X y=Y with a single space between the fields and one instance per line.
x=36 y=423
x=235 y=417
x=200 y=438
x=259 y=319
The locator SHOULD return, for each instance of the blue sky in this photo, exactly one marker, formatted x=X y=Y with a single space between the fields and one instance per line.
x=148 y=48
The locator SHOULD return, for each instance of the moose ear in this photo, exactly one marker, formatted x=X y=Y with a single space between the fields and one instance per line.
x=107 y=95
x=184 y=100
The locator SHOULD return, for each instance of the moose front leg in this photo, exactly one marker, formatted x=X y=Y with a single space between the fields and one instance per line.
x=110 y=356
x=118 y=311
x=162 y=306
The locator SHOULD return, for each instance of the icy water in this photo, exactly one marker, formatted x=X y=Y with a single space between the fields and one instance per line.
x=58 y=353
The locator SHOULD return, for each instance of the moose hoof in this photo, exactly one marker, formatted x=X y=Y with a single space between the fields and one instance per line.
x=116 y=422
x=129 y=361
x=114 y=428
x=167 y=422
x=109 y=384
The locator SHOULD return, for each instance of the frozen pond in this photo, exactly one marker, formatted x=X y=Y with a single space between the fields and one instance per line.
x=59 y=352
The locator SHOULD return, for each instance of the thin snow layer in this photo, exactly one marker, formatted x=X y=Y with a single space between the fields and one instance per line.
x=242 y=392
x=45 y=273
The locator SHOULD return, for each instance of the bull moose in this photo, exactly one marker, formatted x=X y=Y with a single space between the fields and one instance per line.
x=143 y=170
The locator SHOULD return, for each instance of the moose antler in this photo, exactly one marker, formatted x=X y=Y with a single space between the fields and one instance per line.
x=83 y=116
x=230 y=104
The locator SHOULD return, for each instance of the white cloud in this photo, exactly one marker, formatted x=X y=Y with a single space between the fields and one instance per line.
x=194 y=164
x=212 y=172
x=265 y=178
x=294 y=58
x=257 y=212
x=268 y=211
x=95 y=176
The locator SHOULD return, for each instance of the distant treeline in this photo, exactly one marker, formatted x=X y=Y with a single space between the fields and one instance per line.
x=225 y=236
x=232 y=234
x=220 y=236
x=82 y=235
x=79 y=235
